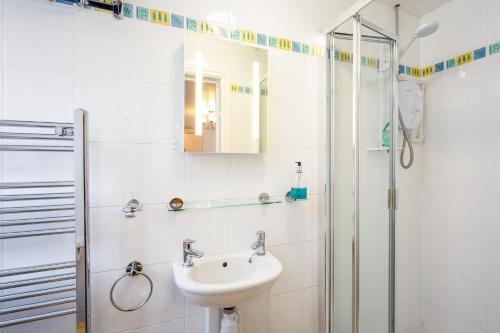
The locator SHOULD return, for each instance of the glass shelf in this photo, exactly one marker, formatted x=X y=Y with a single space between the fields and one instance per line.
x=210 y=204
x=386 y=149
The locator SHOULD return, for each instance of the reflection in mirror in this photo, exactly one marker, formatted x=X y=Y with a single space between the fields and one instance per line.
x=225 y=96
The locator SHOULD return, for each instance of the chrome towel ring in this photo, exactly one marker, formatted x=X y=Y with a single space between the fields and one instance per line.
x=133 y=269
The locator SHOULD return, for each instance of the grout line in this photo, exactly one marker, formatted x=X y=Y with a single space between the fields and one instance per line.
x=294 y=291
x=135 y=329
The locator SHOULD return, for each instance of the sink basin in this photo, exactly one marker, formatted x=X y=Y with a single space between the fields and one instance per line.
x=227 y=280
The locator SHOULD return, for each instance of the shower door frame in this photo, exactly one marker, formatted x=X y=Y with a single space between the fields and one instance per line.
x=353 y=13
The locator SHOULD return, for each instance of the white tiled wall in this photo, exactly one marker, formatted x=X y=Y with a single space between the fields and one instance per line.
x=460 y=226
x=128 y=75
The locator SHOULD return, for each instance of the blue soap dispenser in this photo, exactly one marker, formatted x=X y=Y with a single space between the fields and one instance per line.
x=299 y=185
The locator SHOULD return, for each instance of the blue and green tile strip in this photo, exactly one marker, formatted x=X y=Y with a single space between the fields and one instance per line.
x=441 y=66
x=238 y=89
x=165 y=18
x=162 y=17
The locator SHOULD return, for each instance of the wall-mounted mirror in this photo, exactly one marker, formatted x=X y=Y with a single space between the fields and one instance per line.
x=225 y=96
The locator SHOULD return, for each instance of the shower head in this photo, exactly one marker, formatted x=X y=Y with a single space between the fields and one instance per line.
x=426 y=29
x=423 y=30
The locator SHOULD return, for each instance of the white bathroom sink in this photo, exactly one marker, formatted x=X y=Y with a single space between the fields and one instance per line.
x=227 y=280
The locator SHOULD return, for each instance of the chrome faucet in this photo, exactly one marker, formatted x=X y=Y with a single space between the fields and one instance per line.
x=259 y=245
x=189 y=253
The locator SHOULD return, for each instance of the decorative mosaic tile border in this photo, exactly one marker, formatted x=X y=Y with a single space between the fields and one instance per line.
x=165 y=18
x=156 y=16
x=460 y=60
x=441 y=66
x=237 y=89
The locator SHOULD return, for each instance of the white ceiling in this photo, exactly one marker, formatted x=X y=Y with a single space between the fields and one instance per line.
x=416 y=7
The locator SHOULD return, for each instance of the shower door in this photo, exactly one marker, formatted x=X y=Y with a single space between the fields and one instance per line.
x=361 y=195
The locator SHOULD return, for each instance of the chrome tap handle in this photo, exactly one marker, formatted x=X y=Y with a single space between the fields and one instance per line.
x=186 y=244
x=260 y=243
x=188 y=253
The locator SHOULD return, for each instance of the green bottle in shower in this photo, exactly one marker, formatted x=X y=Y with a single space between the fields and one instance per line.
x=386 y=135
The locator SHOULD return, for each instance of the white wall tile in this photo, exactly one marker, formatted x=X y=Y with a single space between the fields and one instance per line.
x=49 y=30
x=466 y=300
x=210 y=229
x=166 y=303
x=38 y=95
x=433 y=288
x=174 y=326
x=98 y=37
x=466 y=171
x=467 y=127
x=132 y=112
x=153 y=223
x=206 y=176
x=244 y=222
x=493 y=289
x=433 y=208
x=434 y=321
x=120 y=172
x=457 y=325
x=493 y=72
x=466 y=257
x=492 y=220
x=291 y=76
x=493 y=166
x=293 y=222
x=163 y=66
x=433 y=247
x=493 y=25
x=465 y=85
x=254 y=315
x=299 y=267
x=195 y=323
x=287 y=117
x=294 y=312
x=434 y=169
x=466 y=214
x=459 y=37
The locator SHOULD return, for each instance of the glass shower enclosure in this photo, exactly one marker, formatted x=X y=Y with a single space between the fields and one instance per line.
x=362 y=104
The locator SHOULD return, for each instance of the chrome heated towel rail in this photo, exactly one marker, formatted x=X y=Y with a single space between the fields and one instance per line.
x=52 y=287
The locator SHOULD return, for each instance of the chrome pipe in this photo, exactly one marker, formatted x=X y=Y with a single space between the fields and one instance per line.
x=43 y=220
x=356 y=104
x=38 y=305
x=34 y=136
x=329 y=190
x=12 y=322
x=36 y=293
x=34 y=148
x=30 y=209
x=392 y=184
x=39 y=124
x=42 y=196
x=33 y=233
x=37 y=268
x=36 y=281
x=82 y=238
x=16 y=185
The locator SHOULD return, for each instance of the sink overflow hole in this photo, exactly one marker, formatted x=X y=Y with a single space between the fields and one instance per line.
x=224 y=264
